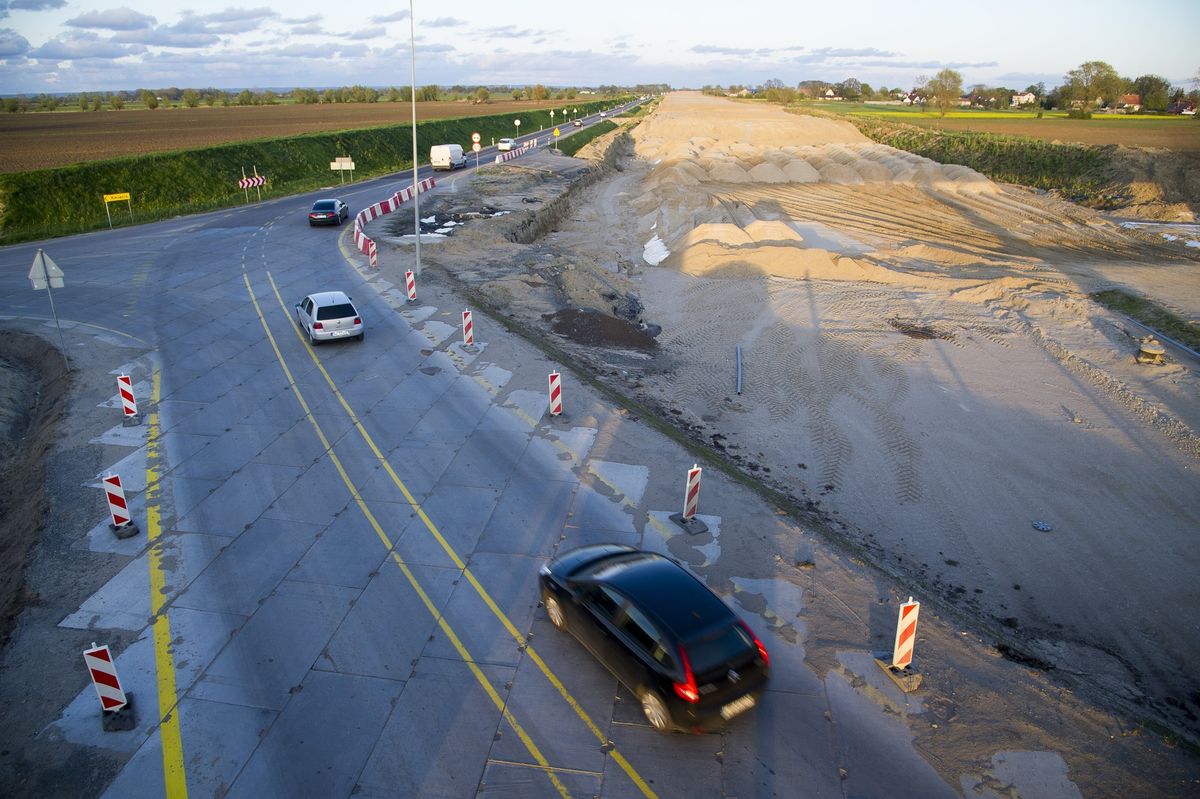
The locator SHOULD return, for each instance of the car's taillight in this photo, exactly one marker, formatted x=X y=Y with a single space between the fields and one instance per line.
x=358 y=320
x=687 y=690
x=762 y=650
x=318 y=326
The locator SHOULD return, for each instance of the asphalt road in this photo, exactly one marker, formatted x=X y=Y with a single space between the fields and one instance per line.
x=334 y=588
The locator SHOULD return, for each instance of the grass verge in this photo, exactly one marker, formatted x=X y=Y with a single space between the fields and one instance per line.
x=1151 y=315
x=573 y=143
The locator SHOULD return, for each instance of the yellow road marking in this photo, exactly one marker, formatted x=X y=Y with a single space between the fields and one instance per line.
x=453 y=555
x=445 y=627
x=174 y=773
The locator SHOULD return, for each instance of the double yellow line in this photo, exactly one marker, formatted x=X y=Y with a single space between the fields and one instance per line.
x=449 y=550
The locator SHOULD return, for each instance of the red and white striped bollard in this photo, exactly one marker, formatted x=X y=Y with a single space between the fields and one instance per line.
x=372 y=254
x=556 y=401
x=410 y=285
x=122 y=522
x=468 y=329
x=125 y=389
x=691 y=495
x=116 y=706
x=906 y=634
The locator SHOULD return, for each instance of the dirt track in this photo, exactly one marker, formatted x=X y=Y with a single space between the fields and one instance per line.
x=922 y=365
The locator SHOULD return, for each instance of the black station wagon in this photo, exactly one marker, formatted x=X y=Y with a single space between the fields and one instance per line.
x=687 y=657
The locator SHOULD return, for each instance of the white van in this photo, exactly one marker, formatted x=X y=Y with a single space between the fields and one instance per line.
x=446 y=156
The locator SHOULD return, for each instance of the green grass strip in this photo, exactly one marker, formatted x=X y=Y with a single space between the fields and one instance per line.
x=1151 y=315
x=573 y=143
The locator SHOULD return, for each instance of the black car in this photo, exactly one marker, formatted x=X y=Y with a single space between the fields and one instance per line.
x=328 y=212
x=687 y=657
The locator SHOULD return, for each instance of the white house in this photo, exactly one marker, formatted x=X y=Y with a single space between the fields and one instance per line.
x=1018 y=100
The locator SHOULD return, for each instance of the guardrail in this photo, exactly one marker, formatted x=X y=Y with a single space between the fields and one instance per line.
x=362 y=241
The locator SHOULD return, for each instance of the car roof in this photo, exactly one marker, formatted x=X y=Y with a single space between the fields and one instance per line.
x=329 y=298
x=327 y=200
x=665 y=591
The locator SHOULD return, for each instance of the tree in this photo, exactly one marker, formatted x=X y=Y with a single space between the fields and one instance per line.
x=83 y=102
x=245 y=97
x=1093 y=81
x=148 y=98
x=944 y=89
x=540 y=92
x=428 y=93
x=117 y=101
x=850 y=88
x=482 y=94
x=191 y=98
x=97 y=103
x=1155 y=91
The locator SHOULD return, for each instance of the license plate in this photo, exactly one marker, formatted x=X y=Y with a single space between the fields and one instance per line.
x=337 y=333
x=737 y=706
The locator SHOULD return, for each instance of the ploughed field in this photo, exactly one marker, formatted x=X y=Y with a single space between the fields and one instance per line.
x=43 y=140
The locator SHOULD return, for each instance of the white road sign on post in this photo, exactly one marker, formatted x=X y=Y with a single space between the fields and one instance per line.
x=45 y=274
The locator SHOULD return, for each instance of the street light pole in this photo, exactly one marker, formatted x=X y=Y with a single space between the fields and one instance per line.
x=412 y=52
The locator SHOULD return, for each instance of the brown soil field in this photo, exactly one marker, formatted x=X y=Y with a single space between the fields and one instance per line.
x=1180 y=135
x=44 y=140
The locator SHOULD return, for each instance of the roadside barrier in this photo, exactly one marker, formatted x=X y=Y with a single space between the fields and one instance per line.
x=901 y=669
x=362 y=241
x=122 y=523
x=691 y=501
x=128 y=403
x=410 y=285
x=556 y=400
x=468 y=330
x=116 y=706
x=517 y=153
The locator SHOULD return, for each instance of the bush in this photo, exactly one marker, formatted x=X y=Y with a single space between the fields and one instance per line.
x=1076 y=113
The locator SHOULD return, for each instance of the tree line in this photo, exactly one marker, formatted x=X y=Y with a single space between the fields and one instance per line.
x=174 y=97
x=1092 y=85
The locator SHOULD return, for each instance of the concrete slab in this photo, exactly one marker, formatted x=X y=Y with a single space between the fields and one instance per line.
x=280 y=412
x=181 y=494
x=459 y=513
x=249 y=569
x=521 y=409
x=197 y=638
x=511 y=581
x=172 y=413
x=528 y=519
x=131 y=468
x=563 y=738
x=486 y=459
x=573 y=536
x=176 y=448
x=317 y=496
x=458 y=724
x=297 y=446
x=491 y=376
x=218 y=381
x=760 y=761
x=265 y=663
x=358 y=648
x=455 y=414
x=594 y=511
x=240 y=500
x=100 y=538
x=123 y=603
x=419 y=465
x=626 y=480
x=545 y=458
x=348 y=552
x=511 y=781
x=122 y=436
x=876 y=749
x=662 y=760
x=224 y=452
x=218 y=739
x=321 y=740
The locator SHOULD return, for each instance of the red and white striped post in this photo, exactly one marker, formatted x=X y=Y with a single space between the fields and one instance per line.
x=128 y=403
x=906 y=634
x=118 y=509
x=116 y=706
x=691 y=495
x=556 y=401
x=468 y=329
x=410 y=285
x=372 y=254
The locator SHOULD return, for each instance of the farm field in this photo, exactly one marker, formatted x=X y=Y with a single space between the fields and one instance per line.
x=1180 y=134
x=44 y=140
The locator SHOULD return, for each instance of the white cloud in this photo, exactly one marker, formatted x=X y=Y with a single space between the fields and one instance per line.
x=12 y=43
x=114 y=19
x=395 y=17
x=83 y=45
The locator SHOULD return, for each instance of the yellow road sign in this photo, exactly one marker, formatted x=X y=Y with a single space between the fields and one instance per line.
x=112 y=198
x=556 y=131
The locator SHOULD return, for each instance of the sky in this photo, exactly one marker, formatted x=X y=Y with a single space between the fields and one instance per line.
x=106 y=45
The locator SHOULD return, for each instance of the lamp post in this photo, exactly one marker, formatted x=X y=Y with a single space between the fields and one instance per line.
x=412 y=52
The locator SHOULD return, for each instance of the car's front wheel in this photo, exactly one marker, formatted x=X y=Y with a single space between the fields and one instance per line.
x=655 y=711
x=554 y=610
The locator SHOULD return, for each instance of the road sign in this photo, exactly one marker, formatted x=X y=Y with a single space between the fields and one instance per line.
x=475 y=138
x=253 y=182
x=476 y=147
x=112 y=198
x=45 y=273
x=556 y=132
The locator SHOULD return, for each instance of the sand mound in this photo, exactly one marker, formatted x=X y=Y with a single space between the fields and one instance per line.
x=767 y=172
x=872 y=172
x=840 y=174
x=772 y=232
x=931 y=254
x=800 y=171
x=724 y=234
x=728 y=171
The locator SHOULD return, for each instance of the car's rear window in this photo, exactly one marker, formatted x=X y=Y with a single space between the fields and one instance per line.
x=715 y=650
x=336 y=311
x=323 y=205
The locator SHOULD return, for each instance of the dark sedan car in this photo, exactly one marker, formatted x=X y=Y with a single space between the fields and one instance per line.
x=328 y=212
x=687 y=657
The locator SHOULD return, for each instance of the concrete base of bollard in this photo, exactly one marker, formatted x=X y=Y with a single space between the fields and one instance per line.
x=125 y=530
x=132 y=421
x=692 y=526
x=121 y=720
x=413 y=301
x=560 y=418
x=908 y=679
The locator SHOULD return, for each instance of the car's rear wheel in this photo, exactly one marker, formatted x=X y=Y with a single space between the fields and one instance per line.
x=312 y=339
x=554 y=610
x=655 y=711
x=361 y=337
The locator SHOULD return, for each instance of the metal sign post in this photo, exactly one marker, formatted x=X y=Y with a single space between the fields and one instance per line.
x=245 y=185
x=342 y=163
x=475 y=146
x=257 y=183
x=45 y=274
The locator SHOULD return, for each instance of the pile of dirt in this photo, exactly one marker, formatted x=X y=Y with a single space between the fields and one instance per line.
x=1156 y=184
x=595 y=329
x=34 y=385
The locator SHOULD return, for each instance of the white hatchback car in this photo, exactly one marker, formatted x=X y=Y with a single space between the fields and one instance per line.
x=506 y=144
x=329 y=315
